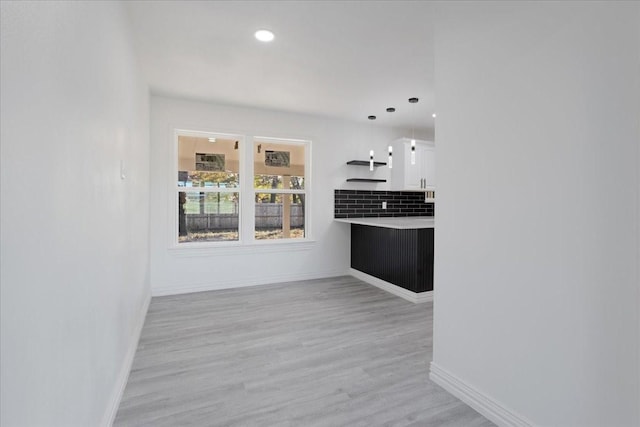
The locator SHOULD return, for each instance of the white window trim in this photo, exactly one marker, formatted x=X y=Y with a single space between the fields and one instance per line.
x=307 y=143
x=246 y=242
x=174 y=189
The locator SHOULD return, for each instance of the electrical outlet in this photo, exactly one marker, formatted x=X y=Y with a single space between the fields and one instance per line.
x=384 y=205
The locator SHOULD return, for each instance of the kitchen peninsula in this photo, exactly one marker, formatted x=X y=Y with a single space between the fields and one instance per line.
x=394 y=254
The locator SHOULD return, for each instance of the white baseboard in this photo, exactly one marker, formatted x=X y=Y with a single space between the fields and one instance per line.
x=485 y=405
x=413 y=297
x=241 y=283
x=123 y=376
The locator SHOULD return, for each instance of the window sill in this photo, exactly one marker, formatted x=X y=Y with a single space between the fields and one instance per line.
x=235 y=248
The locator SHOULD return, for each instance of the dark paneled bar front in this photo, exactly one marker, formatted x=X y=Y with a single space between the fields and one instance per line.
x=403 y=257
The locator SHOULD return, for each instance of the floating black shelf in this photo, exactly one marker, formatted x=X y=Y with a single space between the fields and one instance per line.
x=364 y=163
x=365 y=180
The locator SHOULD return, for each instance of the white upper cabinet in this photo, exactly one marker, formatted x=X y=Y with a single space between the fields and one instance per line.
x=420 y=176
x=429 y=166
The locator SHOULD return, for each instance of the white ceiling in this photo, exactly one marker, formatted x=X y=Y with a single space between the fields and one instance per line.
x=345 y=59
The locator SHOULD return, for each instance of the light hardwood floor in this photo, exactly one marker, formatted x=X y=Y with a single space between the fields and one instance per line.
x=329 y=352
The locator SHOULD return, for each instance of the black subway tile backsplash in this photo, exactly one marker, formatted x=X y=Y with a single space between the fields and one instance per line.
x=368 y=204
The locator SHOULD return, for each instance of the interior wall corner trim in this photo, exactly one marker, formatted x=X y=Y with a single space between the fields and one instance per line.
x=123 y=376
x=242 y=282
x=492 y=409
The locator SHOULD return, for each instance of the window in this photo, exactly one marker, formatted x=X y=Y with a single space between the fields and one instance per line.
x=208 y=187
x=279 y=184
x=215 y=200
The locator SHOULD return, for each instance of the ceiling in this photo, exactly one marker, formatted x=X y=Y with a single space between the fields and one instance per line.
x=344 y=59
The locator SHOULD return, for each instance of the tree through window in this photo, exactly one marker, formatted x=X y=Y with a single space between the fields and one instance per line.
x=279 y=185
x=208 y=188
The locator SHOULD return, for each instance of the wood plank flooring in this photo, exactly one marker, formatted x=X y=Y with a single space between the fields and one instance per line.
x=329 y=352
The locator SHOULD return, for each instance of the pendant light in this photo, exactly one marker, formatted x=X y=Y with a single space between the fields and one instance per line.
x=371 y=151
x=413 y=134
x=390 y=162
x=413 y=151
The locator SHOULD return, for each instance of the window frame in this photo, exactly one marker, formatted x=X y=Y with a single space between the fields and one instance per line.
x=176 y=189
x=306 y=143
x=246 y=193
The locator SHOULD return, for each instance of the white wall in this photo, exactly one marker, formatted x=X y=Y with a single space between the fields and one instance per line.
x=74 y=268
x=334 y=142
x=536 y=271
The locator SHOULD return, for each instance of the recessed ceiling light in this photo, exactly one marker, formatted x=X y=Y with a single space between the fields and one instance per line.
x=433 y=115
x=264 y=35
